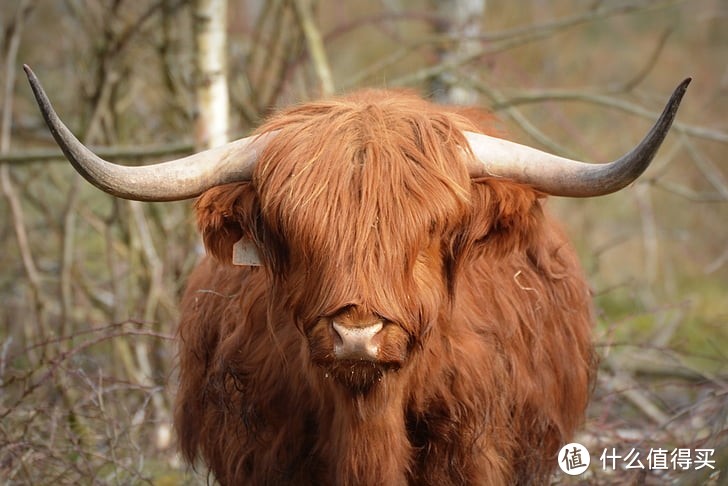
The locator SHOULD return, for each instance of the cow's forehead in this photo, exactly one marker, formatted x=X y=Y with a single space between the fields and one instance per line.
x=362 y=192
x=362 y=165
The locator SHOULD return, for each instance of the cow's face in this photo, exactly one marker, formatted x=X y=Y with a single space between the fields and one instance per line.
x=360 y=222
x=357 y=221
x=363 y=281
x=354 y=220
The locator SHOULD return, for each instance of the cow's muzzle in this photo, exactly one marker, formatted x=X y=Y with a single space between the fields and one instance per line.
x=356 y=342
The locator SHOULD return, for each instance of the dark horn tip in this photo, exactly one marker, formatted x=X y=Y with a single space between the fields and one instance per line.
x=672 y=106
x=682 y=87
x=35 y=86
x=28 y=72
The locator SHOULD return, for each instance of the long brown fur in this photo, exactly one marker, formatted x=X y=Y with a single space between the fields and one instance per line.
x=362 y=206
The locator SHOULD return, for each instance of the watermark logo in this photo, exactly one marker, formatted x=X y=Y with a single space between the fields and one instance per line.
x=574 y=459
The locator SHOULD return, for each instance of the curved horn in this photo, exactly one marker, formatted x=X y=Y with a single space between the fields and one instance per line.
x=560 y=176
x=167 y=181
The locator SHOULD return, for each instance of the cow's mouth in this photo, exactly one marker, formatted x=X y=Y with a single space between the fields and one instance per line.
x=359 y=376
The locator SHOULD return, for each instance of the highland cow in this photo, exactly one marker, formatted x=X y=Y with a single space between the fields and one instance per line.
x=416 y=318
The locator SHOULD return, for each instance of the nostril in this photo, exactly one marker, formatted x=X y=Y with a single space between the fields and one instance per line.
x=336 y=327
x=356 y=342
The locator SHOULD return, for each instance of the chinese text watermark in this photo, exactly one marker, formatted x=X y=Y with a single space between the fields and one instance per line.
x=574 y=459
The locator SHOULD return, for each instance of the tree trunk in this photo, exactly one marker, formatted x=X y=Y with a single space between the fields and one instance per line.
x=210 y=24
x=461 y=20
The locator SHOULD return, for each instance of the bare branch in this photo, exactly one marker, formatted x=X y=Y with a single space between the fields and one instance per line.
x=525 y=97
x=687 y=193
x=6 y=183
x=649 y=65
x=496 y=97
x=303 y=9
x=132 y=153
x=512 y=38
x=711 y=173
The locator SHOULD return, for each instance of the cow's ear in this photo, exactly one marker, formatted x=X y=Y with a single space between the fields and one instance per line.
x=225 y=215
x=504 y=218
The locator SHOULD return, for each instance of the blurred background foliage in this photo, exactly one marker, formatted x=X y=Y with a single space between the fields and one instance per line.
x=89 y=284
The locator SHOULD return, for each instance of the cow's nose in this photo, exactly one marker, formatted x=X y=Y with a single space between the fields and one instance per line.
x=358 y=343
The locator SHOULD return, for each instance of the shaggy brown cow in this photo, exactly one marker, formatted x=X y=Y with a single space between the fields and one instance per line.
x=410 y=324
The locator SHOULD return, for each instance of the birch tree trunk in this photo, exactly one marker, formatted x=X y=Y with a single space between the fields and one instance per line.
x=461 y=20
x=210 y=24
x=211 y=130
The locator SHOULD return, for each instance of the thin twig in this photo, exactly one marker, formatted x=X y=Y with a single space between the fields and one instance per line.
x=303 y=9
x=496 y=97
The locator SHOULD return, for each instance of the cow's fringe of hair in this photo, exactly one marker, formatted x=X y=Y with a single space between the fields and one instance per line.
x=365 y=200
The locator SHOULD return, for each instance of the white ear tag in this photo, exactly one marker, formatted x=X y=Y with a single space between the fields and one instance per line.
x=245 y=253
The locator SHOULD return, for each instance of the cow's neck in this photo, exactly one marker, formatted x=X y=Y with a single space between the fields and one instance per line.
x=367 y=437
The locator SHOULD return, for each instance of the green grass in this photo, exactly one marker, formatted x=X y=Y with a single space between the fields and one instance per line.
x=700 y=337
